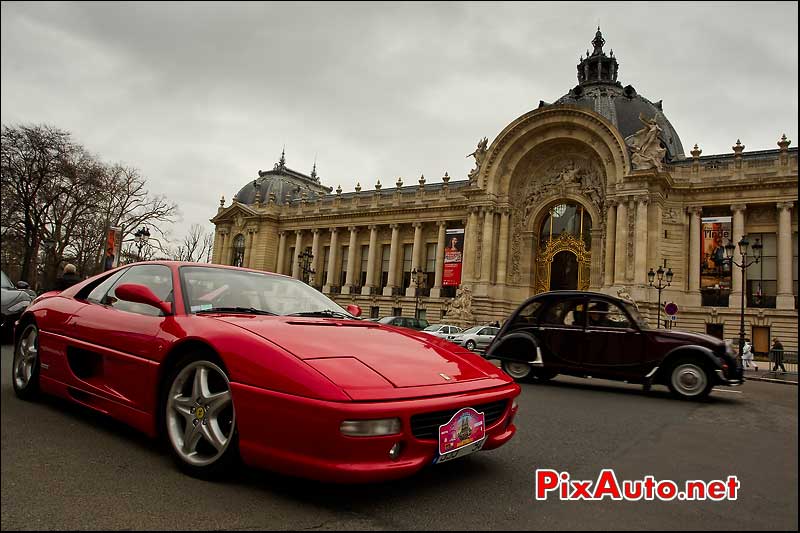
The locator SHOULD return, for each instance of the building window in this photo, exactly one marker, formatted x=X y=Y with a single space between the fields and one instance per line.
x=430 y=266
x=408 y=250
x=238 y=251
x=343 y=262
x=385 y=255
x=374 y=312
x=364 y=265
x=566 y=218
x=397 y=311
x=762 y=277
x=325 y=256
x=291 y=259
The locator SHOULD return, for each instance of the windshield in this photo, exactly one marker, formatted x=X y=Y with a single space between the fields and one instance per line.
x=636 y=316
x=5 y=282
x=434 y=327
x=211 y=288
x=472 y=330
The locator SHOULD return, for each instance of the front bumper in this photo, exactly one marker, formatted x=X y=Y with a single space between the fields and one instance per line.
x=730 y=382
x=301 y=437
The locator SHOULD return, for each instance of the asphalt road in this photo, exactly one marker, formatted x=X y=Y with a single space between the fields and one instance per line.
x=64 y=467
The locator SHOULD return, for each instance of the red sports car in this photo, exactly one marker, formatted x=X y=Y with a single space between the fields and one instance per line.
x=227 y=363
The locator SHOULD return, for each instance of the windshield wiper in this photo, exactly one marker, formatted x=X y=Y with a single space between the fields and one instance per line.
x=244 y=310
x=322 y=312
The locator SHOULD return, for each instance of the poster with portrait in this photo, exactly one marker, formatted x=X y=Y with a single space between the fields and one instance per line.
x=112 y=248
x=453 y=257
x=714 y=271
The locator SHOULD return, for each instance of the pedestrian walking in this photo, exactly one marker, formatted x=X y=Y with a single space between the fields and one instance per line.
x=776 y=355
x=747 y=355
x=69 y=278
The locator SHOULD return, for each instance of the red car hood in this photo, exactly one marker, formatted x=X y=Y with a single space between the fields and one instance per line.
x=404 y=358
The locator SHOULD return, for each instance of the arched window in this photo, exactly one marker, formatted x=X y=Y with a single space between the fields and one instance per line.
x=238 y=251
x=566 y=218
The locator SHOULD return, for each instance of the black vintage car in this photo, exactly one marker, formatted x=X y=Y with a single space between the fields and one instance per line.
x=590 y=334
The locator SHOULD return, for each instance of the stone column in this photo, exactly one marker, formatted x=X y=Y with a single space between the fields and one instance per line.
x=436 y=291
x=640 y=249
x=416 y=252
x=298 y=245
x=654 y=234
x=694 y=249
x=226 y=250
x=785 y=298
x=219 y=250
x=621 y=243
x=316 y=260
x=373 y=254
x=253 y=256
x=736 y=272
x=470 y=236
x=488 y=244
x=391 y=283
x=611 y=234
x=351 y=261
x=281 y=252
x=334 y=252
x=502 y=247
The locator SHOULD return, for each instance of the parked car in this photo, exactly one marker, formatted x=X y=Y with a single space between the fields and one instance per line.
x=476 y=338
x=444 y=331
x=14 y=299
x=405 y=322
x=589 y=334
x=227 y=363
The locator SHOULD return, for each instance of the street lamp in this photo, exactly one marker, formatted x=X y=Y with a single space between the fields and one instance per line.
x=419 y=281
x=730 y=248
x=141 y=236
x=660 y=286
x=304 y=260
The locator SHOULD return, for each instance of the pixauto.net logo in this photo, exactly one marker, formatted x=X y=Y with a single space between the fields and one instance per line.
x=607 y=486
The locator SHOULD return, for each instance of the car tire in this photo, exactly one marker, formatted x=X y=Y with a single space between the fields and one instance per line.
x=470 y=345
x=519 y=371
x=690 y=379
x=198 y=419
x=26 y=365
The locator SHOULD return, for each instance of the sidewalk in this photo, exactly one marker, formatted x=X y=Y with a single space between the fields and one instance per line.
x=765 y=373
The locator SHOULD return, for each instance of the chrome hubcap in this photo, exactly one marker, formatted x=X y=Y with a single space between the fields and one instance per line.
x=200 y=414
x=689 y=379
x=26 y=357
x=518 y=370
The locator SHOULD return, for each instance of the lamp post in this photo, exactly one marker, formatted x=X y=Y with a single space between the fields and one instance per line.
x=141 y=236
x=304 y=260
x=730 y=248
x=419 y=282
x=660 y=286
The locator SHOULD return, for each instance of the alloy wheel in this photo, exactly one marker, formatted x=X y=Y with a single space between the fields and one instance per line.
x=26 y=357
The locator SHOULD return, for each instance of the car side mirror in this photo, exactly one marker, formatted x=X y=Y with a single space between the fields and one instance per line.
x=354 y=310
x=133 y=292
x=22 y=285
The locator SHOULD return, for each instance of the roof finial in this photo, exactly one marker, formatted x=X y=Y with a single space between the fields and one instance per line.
x=282 y=162
x=598 y=42
x=314 y=170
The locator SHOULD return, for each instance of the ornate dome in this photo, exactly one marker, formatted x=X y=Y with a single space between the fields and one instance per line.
x=599 y=90
x=287 y=185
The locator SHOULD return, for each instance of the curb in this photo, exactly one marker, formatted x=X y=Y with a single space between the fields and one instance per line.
x=771 y=380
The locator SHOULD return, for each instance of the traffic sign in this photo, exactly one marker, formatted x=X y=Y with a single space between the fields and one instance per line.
x=670 y=308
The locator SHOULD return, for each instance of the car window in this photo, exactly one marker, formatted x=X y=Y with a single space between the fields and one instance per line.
x=433 y=328
x=5 y=282
x=567 y=312
x=158 y=278
x=602 y=314
x=529 y=313
x=99 y=291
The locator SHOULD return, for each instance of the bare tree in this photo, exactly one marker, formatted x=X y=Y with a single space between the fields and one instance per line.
x=196 y=246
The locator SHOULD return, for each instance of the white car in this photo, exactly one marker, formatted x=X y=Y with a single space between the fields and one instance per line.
x=476 y=338
x=444 y=331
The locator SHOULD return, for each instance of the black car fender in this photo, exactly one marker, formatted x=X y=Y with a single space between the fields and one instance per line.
x=706 y=355
x=518 y=346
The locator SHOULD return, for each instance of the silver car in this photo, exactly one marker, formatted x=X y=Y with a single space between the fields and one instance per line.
x=444 y=331
x=476 y=338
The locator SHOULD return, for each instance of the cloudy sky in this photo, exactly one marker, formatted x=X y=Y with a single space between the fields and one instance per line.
x=200 y=96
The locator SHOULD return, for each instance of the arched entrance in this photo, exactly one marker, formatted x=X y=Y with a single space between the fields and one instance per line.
x=564 y=258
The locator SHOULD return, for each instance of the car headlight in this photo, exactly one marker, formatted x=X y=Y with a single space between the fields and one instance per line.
x=19 y=306
x=370 y=428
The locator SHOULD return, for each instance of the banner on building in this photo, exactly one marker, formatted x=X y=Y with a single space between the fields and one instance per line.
x=715 y=272
x=112 y=248
x=453 y=257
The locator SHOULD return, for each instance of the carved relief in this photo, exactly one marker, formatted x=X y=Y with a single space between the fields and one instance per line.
x=670 y=215
x=645 y=145
x=459 y=310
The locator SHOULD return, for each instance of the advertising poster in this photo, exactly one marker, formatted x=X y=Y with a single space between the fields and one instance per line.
x=715 y=234
x=453 y=257
x=112 y=248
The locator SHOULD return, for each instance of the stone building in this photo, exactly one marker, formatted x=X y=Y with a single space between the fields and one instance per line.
x=589 y=192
